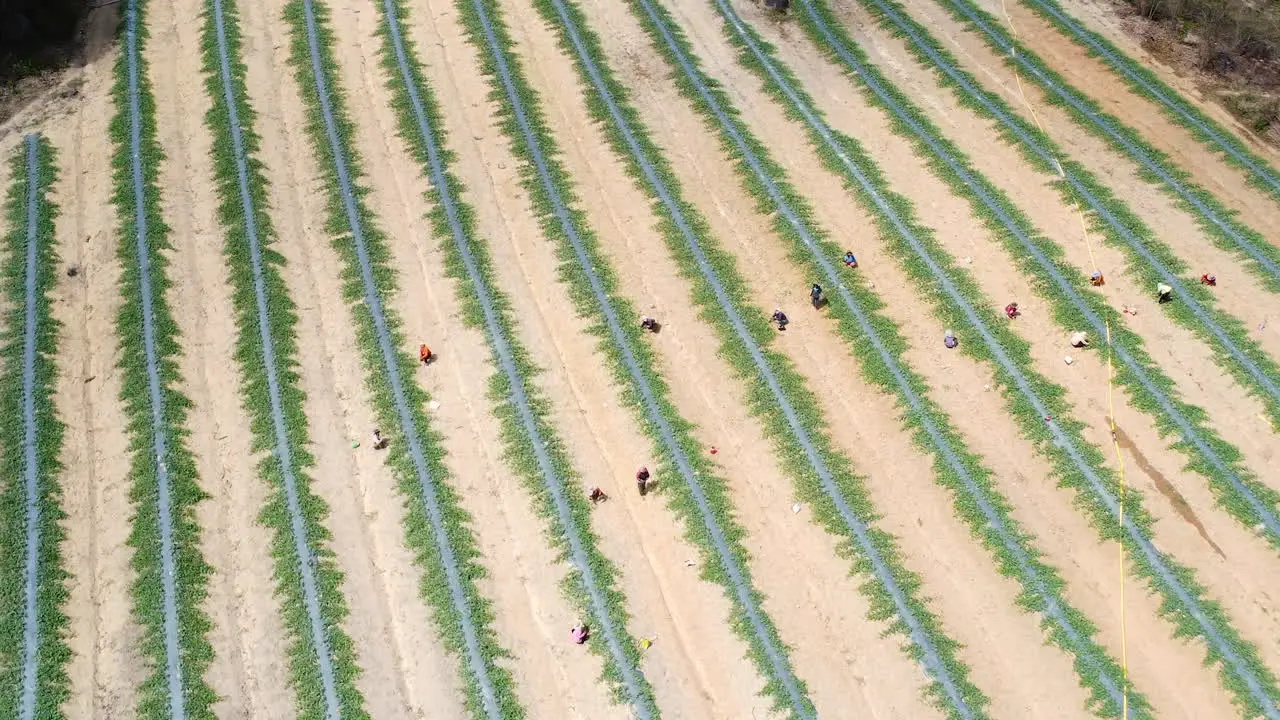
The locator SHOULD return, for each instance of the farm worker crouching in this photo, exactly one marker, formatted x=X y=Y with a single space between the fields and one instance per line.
x=1096 y=279
x=949 y=339
x=642 y=480
x=1079 y=339
x=580 y=633
x=849 y=260
x=424 y=354
x=1162 y=292
x=379 y=442
x=596 y=495
x=780 y=318
x=648 y=323
x=1011 y=310
x=1210 y=280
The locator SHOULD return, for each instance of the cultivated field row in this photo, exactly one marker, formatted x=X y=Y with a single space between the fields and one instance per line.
x=219 y=263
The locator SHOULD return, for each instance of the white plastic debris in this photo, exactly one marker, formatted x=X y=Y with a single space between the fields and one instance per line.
x=1067 y=360
x=795 y=509
x=433 y=405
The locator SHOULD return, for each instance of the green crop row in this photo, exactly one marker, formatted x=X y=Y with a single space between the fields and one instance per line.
x=1044 y=590
x=1030 y=421
x=1220 y=135
x=1147 y=275
x=52 y=653
x=1064 y=313
x=419 y=535
x=191 y=573
x=1126 y=134
x=521 y=454
x=281 y=326
x=761 y=399
x=579 y=282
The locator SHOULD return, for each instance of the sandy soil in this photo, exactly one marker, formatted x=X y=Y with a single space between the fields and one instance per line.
x=533 y=616
x=401 y=676
x=795 y=563
x=1229 y=184
x=1175 y=228
x=250 y=670
x=1186 y=360
x=106 y=664
x=1206 y=534
x=702 y=675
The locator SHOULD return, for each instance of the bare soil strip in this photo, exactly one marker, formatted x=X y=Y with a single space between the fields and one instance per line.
x=795 y=563
x=524 y=573
x=1238 y=291
x=1241 y=578
x=106 y=665
x=404 y=672
x=250 y=666
x=1186 y=360
x=1092 y=77
x=697 y=666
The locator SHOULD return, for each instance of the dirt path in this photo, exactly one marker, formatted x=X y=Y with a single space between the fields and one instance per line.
x=1092 y=76
x=1236 y=583
x=106 y=664
x=697 y=666
x=816 y=606
x=1186 y=360
x=533 y=615
x=404 y=671
x=1237 y=291
x=250 y=662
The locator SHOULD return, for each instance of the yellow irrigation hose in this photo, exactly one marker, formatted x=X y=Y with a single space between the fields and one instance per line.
x=1111 y=410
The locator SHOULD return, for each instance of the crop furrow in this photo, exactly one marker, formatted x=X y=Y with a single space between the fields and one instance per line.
x=33 y=652
x=546 y=180
x=1014 y=555
x=841 y=501
x=533 y=449
x=1249 y=501
x=451 y=558
x=305 y=573
x=164 y=490
x=1217 y=221
x=1145 y=83
x=1265 y=376
x=915 y=246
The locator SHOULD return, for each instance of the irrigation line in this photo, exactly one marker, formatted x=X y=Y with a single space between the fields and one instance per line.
x=1121 y=64
x=1029 y=574
x=781 y=668
x=1267 y=515
x=159 y=434
x=640 y=699
x=1071 y=97
x=928 y=653
x=1153 y=556
x=30 y=626
x=392 y=370
x=284 y=454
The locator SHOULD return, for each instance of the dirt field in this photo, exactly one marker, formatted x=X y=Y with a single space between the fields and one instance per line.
x=827 y=616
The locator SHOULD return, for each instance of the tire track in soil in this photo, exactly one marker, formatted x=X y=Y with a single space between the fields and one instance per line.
x=250 y=665
x=1094 y=79
x=106 y=664
x=381 y=581
x=1237 y=291
x=1242 y=585
x=530 y=607
x=697 y=666
x=1186 y=360
x=795 y=563
x=979 y=614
